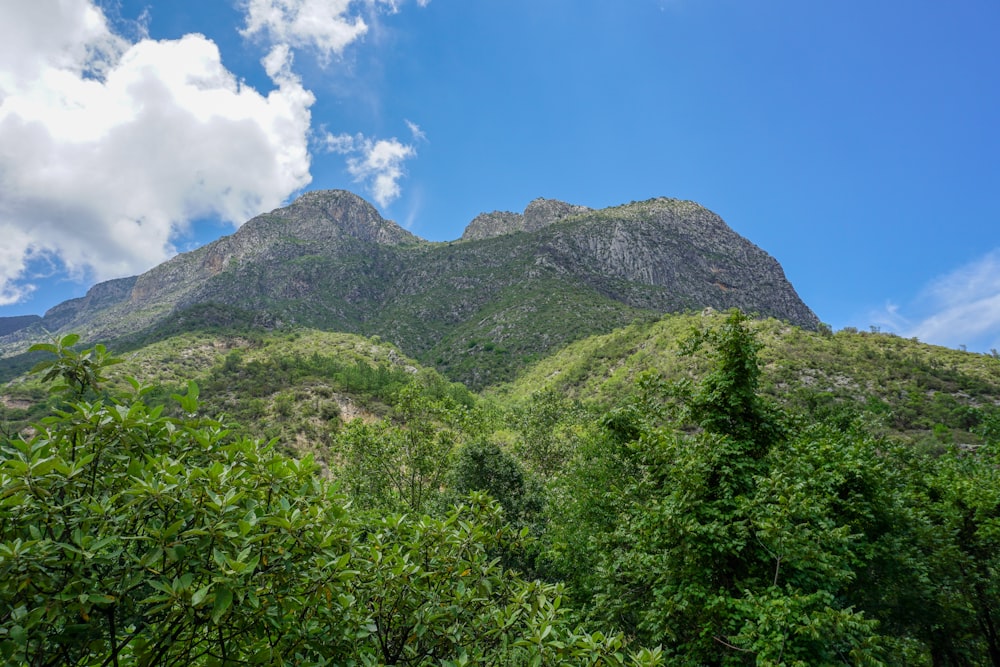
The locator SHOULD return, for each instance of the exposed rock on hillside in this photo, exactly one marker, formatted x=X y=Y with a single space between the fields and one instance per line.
x=9 y=325
x=538 y=214
x=478 y=309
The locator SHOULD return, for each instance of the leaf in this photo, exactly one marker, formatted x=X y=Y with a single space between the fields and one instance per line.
x=199 y=595
x=223 y=600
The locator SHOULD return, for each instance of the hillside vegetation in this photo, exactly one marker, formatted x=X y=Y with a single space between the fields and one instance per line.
x=915 y=391
x=324 y=441
x=704 y=489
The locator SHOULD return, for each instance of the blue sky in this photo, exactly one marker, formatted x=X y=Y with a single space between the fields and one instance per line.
x=856 y=142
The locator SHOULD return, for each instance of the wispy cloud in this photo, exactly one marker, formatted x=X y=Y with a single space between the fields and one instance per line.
x=110 y=148
x=375 y=163
x=324 y=26
x=961 y=308
x=418 y=134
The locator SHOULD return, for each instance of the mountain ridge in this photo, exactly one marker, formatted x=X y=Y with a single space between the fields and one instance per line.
x=518 y=288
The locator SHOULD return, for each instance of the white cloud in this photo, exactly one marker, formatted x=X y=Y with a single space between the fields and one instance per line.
x=324 y=25
x=966 y=305
x=961 y=308
x=376 y=163
x=109 y=149
x=327 y=27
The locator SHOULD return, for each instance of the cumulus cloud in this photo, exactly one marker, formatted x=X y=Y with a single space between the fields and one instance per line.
x=109 y=149
x=324 y=25
x=375 y=163
x=961 y=308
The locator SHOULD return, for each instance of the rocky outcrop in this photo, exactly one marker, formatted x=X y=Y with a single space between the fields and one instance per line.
x=681 y=247
x=99 y=297
x=497 y=223
x=538 y=214
x=544 y=212
x=324 y=219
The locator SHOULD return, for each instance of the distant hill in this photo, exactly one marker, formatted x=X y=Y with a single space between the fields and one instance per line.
x=517 y=287
x=917 y=391
x=9 y=325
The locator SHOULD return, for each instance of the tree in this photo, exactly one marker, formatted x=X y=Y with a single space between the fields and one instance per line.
x=722 y=549
x=400 y=466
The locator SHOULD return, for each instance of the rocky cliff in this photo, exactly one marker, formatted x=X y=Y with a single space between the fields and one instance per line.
x=538 y=214
x=514 y=287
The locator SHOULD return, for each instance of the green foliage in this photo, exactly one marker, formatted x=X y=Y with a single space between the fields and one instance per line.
x=401 y=466
x=726 y=401
x=79 y=372
x=955 y=549
x=131 y=538
x=136 y=538
x=899 y=387
x=547 y=424
x=707 y=521
x=712 y=545
x=693 y=514
x=485 y=466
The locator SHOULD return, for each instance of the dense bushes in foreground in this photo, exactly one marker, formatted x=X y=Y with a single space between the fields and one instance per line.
x=696 y=518
x=129 y=538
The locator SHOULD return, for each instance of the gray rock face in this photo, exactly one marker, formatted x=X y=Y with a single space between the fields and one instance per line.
x=544 y=212
x=681 y=247
x=321 y=221
x=325 y=218
x=538 y=214
x=9 y=325
x=529 y=282
x=101 y=295
x=497 y=223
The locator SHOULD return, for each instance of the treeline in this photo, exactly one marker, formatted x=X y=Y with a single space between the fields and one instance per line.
x=696 y=523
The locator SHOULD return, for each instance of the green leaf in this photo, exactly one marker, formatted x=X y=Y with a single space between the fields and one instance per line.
x=223 y=600
x=199 y=595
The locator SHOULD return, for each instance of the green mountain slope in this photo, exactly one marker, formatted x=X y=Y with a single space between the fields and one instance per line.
x=918 y=391
x=478 y=309
x=299 y=387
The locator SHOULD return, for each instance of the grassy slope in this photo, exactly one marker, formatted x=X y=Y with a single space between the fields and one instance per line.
x=919 y=391
x=301 y=385
x=297 y=386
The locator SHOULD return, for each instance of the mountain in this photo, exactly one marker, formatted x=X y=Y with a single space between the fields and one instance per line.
x=539 y=213
x=514 y=287
x=9 y=325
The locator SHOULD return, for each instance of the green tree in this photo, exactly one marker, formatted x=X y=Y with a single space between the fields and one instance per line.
x=400 y=463
x=714 y=552
x=131 y=538
x=959 y=494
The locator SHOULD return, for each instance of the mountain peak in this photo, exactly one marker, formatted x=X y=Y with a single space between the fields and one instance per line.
x=324 y=215
x=543 y=212
x=539 y=213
